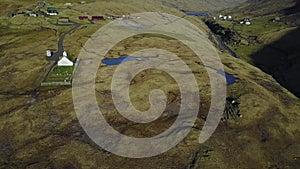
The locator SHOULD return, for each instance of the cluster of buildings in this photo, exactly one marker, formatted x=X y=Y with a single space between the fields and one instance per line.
x=245 y=21
x=224 y=17
x=94 y=18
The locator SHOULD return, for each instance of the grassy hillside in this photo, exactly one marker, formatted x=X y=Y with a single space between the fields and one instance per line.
x=202 y=5
x=263 y=7
x=39 y=127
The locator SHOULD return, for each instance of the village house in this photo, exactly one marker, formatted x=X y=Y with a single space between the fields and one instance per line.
x=98 y=18
x=52 y=11
x=63 y=19
x=83 y=18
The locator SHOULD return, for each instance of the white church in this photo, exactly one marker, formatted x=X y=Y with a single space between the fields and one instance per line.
x=64 y=61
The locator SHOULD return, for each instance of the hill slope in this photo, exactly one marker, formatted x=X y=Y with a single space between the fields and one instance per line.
x=202 y=5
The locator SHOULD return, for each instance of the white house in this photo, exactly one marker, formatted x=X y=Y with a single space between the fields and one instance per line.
x=64 y=61
x=68 y=4
x=229 y=17
x=48 y=53
x=247 y=23
x=224 y=17
x=220 y=16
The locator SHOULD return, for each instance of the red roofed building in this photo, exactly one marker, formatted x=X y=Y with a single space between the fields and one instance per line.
x=98 y=18
x=83 y=18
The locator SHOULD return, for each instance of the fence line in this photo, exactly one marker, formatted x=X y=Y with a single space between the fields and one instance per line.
x=56 y=84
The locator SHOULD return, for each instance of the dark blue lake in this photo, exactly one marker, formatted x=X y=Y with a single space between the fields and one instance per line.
x=121 y=59
x=230 y=79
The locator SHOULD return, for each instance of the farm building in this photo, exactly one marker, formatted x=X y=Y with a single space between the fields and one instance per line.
x=98 y=18
x=63 y=19
x=52 y=11
x=64 y=61
x=83 y=18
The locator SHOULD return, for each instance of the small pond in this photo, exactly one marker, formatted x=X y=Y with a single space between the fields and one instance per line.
x=121 y=59
x=230 y=79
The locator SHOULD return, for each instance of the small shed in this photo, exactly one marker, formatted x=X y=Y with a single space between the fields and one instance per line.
x=63 y=19
x=64 y=61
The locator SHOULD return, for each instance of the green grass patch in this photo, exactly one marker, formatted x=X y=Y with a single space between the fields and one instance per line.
x=61 y=74
x=259 y=26
x=226 y=23
x=245 y=51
